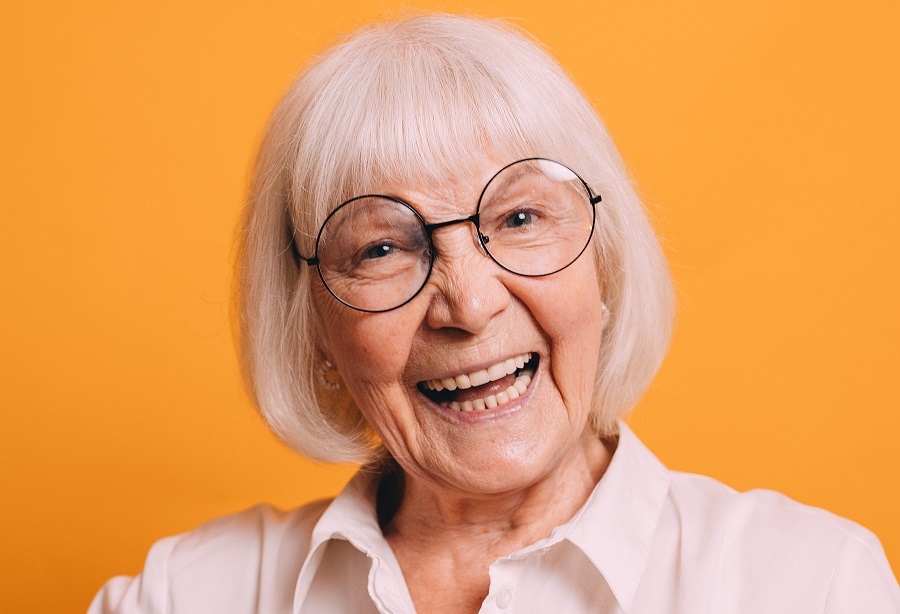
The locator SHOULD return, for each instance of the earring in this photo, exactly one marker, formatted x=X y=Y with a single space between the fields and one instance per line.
x=329 y=376
x=604 y=313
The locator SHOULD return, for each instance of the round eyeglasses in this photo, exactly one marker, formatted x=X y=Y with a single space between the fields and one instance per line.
x=534 y=218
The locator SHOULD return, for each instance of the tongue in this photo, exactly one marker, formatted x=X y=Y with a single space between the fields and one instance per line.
x=480 y=392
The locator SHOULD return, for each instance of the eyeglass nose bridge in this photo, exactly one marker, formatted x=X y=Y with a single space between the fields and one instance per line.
x=474 y=219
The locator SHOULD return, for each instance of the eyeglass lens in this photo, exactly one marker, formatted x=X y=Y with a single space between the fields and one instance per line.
x=535 y=217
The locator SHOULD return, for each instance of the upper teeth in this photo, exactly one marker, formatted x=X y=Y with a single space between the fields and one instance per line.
x=480 y=377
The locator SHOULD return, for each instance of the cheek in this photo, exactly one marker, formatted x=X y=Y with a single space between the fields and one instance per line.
x=571 y=317
x=570 y=310
x=369 y=354
x=370 y=350
x=371 y=358
x=577 y=345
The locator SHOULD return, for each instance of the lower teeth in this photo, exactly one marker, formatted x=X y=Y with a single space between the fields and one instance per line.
x=513 y=392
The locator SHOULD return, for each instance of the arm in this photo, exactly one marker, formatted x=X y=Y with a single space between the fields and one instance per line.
x=863 y=581
x=146 y=593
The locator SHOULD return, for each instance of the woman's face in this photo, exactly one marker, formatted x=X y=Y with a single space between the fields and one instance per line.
x=473 y=320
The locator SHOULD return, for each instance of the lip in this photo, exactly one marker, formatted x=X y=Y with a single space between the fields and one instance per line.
x=500 y=412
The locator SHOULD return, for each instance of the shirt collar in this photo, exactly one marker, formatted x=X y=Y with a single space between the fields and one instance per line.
x=614 y=528
x=352 y=516
x=616 y=525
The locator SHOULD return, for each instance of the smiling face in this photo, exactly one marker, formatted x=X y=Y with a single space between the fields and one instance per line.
x=521 y=353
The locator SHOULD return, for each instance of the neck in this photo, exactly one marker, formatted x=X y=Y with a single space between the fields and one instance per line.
x=432 y=517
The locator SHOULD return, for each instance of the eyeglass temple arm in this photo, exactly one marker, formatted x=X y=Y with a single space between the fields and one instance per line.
x=298 y=257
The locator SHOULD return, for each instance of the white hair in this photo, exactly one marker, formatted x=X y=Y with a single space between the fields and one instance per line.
x=416 y=101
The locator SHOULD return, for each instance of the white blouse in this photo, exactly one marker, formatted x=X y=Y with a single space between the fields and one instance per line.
x=648 y=540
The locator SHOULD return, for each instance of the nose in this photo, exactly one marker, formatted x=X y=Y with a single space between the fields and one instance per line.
x=467 y=287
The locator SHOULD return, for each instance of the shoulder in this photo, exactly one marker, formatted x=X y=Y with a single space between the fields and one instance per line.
x=249 y=535
x=758 y=513
x=233 y=563
x=761 y=538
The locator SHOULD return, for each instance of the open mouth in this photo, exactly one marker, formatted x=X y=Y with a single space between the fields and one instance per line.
x=483 y=389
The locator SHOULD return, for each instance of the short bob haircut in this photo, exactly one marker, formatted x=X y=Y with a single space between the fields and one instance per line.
x=414 y=101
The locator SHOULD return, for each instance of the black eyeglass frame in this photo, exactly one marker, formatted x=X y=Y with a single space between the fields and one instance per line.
x=483 y=240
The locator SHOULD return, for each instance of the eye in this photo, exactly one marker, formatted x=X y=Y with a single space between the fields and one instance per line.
x=519 y=219
x=378 y=251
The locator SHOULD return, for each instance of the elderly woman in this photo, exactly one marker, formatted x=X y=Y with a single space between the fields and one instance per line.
x=447 y=275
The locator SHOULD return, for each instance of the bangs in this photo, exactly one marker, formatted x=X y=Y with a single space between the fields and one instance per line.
x=428 y=125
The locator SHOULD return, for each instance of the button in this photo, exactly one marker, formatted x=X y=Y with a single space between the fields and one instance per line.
x=504 y=598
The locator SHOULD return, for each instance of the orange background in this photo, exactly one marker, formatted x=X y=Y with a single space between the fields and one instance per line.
x=763 y=136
